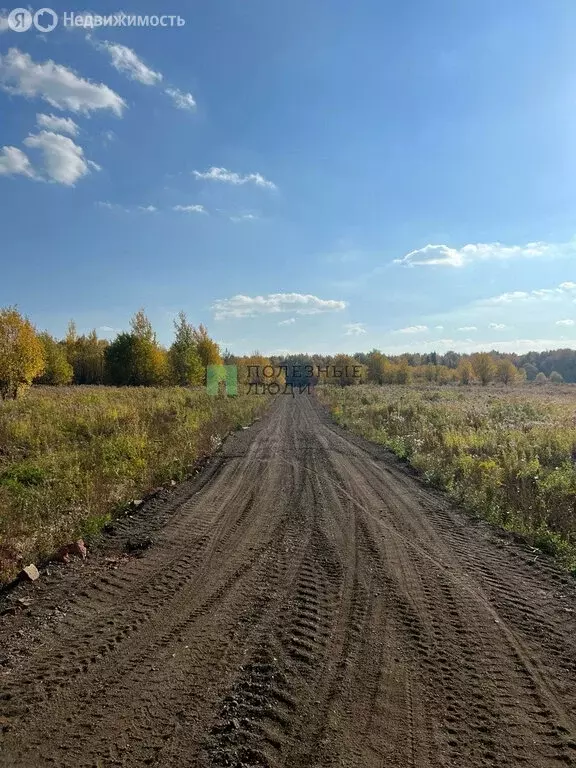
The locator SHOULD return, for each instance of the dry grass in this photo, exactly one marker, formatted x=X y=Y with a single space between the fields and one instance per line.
x=70 y=458
x=509 y=455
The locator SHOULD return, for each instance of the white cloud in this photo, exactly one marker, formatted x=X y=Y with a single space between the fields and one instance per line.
x=190 y=209
x=355 y=329
x=243 y=217
x=252 y=306
x=443 y=255
x=473 y=345
x=230 y=177
x=55 y=84
x=117 y=207
x=497 y=326
x=63 y=160
x=4 y=20
x=290 y=321
x=413 y=329
x=565 y=322
x=564 y=290
x=110 y=206
x=438 y=327
x=468 y=328
x=13 y=162
x=57 y=124
x=181 y=99
x=125 y=60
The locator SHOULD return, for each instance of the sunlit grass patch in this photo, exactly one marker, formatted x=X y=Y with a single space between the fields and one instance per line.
x=508 y=455
x=70 y=458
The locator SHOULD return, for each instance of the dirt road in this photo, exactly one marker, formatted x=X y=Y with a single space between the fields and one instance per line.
x=308 y=603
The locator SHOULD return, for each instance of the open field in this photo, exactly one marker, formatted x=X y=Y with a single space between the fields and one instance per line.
x=506 y=454
x=308 y=604
x=71 y=457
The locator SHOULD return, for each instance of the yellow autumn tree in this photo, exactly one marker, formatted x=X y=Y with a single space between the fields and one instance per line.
x=21 y=353
x=206 y=348
x=465 y=371
x=484 y=367
x=506 y=372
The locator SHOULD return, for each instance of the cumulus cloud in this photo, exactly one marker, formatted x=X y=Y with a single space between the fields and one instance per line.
x=497 y=326
x=567 y=322
x=445 y=256
x=289 y=321
x=57 y=124
x=125 y=60
x=252 y=306
x=230 y=177
x=413 y=329
x=190 y=209
x=564 y=290
x=14 y=162
x=355 y=329
x=63 y=160
x=147 y=208
x=181 y=99
x=468 y=328
x=55 y=84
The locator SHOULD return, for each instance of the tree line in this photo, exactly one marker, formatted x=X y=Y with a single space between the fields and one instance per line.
x=136 y=358
x=133 y=358
x=556 y=366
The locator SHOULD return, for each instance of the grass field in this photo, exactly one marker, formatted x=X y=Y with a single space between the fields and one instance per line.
x=70 y=458
x=507 y=455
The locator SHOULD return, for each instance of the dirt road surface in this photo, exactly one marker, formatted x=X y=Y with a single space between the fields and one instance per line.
x=308 y=604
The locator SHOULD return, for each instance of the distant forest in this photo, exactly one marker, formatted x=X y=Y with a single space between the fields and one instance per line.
x=136 y=358
x=557 y=365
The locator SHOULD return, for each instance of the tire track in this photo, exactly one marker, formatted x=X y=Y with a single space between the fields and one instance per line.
x=308 y=605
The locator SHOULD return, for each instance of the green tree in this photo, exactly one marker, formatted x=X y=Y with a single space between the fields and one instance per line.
x=531 y=371
x=403 y=372
x=142 y=327
x=375 y=366
x=556 y=378
x=541 y=378
x=185 y=364
x=21 y=353
x=136 y=359
x=70 y=342
x=89 y=359
x=58 y=370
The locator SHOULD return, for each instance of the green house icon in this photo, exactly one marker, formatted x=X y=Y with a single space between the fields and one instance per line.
x=226 y=373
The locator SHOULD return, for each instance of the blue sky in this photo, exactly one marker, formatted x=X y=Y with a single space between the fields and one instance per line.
x=307 y=176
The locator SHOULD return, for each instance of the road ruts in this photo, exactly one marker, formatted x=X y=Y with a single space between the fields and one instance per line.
x=308 y=605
